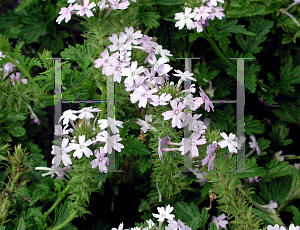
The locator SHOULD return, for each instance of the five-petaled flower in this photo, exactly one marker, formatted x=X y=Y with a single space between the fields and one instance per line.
x=82 y=147
x=219 y=221
x=229 y=141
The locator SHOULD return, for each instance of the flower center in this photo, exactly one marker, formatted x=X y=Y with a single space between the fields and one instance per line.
x=213 y=11
x=81 y=146
x=201 y=12
x=193 y=143
x=132 y=73
x=62 y=152
x=85 y=9
x=119 y=45
x=130 y=38
x=176 y=112
x=118 y=68
x=100 y=159
x=186 y=17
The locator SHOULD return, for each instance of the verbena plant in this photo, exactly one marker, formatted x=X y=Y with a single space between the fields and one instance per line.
x=115 y=48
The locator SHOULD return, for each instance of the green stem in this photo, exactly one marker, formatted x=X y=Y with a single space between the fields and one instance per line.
x=146 y=31
x=62 y=196
x=283 y=205
x=66 y=222
x=217 y=50
x=25 y=72
x=14 y=182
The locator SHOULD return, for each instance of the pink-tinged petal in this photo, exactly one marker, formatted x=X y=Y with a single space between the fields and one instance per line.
x=81 y=139
x=232 y=149
x=167 y=115
x=224 y=135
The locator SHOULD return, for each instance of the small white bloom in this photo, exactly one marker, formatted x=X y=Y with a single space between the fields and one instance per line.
x=164 y=213
x=82 y=147
x=229 y=141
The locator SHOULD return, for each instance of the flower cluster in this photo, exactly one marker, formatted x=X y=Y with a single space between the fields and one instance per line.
x=80 y=146
x=200 y=15
x=86 y=8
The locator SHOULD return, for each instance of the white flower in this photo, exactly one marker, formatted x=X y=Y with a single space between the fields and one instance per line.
x=229 y=141
x=104 y=123
x=86 y=112
x=82 y=147
x=61 y=154
x=145 y=125
x=164 y=214
x=67 y=115
x=185 y=18
x=110 y=142
x=119 y=228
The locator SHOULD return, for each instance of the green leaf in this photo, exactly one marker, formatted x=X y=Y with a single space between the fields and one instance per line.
x=188 y=213
x=253 y=126
x=203 y=218
x=38 y=216
x=61 y=214
x=17 y=131
x=224 y=28
x=150 y=19
x=296 y=218
x=42 y=190
x=134 y=146
x=213 y=226
x=290 y=112
x=279 y=133
x=24 y=3
x=203 y=73
x=250 y=45
x=276 y=190
x=252 y=167
x=22 y=224
x=263 y=144
x=79 y=54
x=288 y=74
x=144 y=163
x=246 y=9
x=278 y=169
x=15 y=117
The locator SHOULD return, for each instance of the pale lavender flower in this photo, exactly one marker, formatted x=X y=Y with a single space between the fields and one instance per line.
x=61 y=153
x=176 y=114
x=131 y=36
x=215 y=12
x=254 y=144
x=276 y=227
x=208 y=103
x=142 y=94
x=163 y=99
x=144 y=124
x=214 y=2
x=100 y=160
x=110 y=142
x=85 y=9
x=156 y=63
x=173 y=224
x=251 y=179
x=65 y=13
x=115 y=4
x=190 y=120
x=191 y=145
x=163 y=69
x=219 y=221
x=119 y=43
x=116 y=70
x=202 y=12
x=60 y=172
x=104 y=123
x=211 y=155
